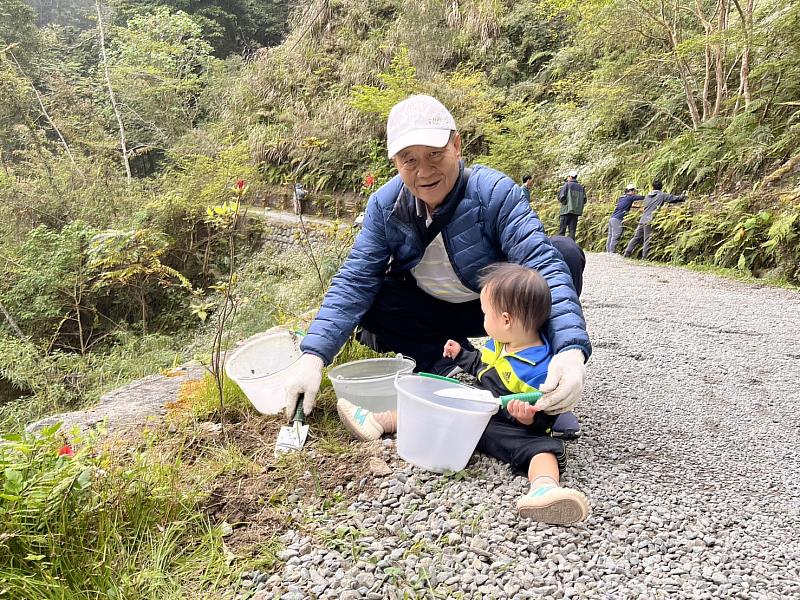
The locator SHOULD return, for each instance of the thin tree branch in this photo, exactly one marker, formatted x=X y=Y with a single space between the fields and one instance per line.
x=11 y=322
x=111 y=92
x=45 y=113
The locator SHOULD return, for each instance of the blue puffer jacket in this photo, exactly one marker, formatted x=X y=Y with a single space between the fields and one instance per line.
x=490 y=223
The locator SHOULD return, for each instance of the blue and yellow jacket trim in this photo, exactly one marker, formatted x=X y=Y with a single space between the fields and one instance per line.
x=513 y=373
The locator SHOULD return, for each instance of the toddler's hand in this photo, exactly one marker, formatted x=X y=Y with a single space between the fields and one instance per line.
x=522 y=411
x=451 y=349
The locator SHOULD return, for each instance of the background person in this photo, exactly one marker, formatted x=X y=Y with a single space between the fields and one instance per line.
x=652 y=202
x=527 y=184
x=411 y=278
x=572 y=197
x=516 y=303
x=298 y=196
x=624 y=204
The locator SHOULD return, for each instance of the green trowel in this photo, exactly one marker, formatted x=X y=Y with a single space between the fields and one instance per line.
x=293 y=437
x=486 y=396
x=470 y=393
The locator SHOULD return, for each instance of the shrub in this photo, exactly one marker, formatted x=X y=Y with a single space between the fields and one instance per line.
x=74 y=520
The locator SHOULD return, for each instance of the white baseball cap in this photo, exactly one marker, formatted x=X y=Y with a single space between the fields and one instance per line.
x=418 y=120
x=630 y=186
x=573 y=173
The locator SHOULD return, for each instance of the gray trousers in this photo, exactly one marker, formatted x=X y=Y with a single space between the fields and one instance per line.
x=614 y=233
x=640 y=236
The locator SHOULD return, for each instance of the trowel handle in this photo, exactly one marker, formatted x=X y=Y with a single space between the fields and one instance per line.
x=299 y=417
x=528 y=397
x=439 y=377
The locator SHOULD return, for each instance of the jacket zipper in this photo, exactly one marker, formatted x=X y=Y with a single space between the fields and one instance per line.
x=456 y=270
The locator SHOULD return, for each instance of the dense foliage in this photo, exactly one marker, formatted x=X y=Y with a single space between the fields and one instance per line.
x=120 y=125
x=703 y=94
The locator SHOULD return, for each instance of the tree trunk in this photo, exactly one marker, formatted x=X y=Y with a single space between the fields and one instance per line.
x=123 y=143
x=719 y=57
x=45 y=113
x=746 y=16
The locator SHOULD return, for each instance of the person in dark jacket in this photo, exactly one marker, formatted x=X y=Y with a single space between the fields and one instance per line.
x=624 y=204
x=527 y=184
x=411 y=278
x=572 y=197
x=652 y=202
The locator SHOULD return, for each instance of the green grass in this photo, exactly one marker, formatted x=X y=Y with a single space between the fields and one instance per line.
x=101 y=524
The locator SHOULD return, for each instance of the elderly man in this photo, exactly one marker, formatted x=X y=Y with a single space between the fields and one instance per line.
x=411 y=278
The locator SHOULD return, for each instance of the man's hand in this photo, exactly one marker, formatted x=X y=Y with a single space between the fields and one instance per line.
x=564 y=384
x=451 y=349
x=522 y=411
x=303 y=378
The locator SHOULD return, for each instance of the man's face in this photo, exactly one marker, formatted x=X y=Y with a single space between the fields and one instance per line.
x=430 y=173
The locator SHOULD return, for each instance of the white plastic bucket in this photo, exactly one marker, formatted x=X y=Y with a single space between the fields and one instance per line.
x=260 y=366
x=434 y=432
x=369 y=383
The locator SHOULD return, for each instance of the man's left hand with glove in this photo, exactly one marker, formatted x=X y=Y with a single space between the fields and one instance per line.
x=564 y=384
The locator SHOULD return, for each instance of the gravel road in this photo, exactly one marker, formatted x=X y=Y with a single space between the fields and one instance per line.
x=689 y=458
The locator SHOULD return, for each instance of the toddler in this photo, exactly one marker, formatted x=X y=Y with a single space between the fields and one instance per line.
x=516 y=302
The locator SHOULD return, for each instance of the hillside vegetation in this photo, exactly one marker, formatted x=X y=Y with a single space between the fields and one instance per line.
x=121 y=125
x=133 y=135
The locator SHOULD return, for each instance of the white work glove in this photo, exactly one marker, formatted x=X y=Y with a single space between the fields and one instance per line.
x=564 y=384
x=303 y=378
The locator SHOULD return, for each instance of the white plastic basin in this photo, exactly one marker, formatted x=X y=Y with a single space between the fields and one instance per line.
x=260 y=366
x=370 y=382
x=434 y=432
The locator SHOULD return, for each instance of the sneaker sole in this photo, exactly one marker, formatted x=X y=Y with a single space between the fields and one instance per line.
x=563 y=511
x=569 y=434
x=354 y=431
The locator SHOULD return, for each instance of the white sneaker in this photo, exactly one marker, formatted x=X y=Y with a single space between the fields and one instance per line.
x=359 y=421
x=553 y=505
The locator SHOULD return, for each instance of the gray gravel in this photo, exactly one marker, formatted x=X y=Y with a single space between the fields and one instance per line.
x=689 y=458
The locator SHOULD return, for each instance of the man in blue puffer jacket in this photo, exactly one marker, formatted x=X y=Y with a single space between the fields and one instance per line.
x=411 y=278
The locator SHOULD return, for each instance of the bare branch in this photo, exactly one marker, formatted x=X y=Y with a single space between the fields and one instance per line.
x=45 y=113
x=111 y=92
x=11 y=322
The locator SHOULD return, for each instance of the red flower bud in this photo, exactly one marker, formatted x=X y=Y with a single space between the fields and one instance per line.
x=369 y=181
x=239 y=184
x=66 y=450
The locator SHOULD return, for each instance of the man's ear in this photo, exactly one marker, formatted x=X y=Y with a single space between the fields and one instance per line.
x=457 y=143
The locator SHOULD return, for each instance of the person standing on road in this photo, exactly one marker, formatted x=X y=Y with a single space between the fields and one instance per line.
x=624 y=204
x=527 y=184
x=572 y=197
x=411 y=278
x=652 y=202
x=298 y=196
